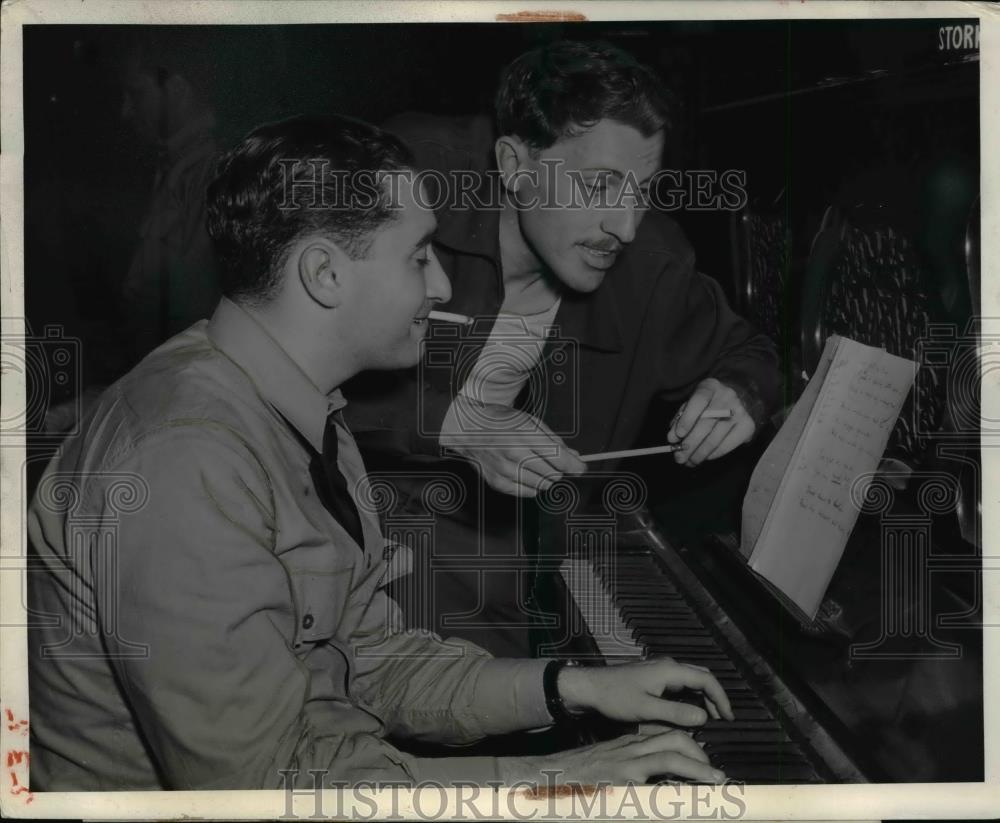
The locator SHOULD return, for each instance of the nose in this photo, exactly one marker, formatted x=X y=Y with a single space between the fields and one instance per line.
x=436 y=282
x=622 y=223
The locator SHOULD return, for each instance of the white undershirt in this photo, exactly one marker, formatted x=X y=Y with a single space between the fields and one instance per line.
x=512 y=350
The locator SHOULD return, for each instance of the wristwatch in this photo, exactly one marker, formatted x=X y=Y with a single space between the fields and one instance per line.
x=553 y=700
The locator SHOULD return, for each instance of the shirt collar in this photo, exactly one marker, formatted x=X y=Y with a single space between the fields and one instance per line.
x=278 y=379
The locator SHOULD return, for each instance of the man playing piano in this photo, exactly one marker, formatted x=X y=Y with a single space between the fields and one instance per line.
x=207 y=586
x=543 y=227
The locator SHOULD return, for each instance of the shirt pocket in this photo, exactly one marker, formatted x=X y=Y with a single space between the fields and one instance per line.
x=321 y=586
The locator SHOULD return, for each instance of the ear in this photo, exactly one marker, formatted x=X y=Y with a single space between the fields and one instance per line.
x=512 y=154
x=323 y=268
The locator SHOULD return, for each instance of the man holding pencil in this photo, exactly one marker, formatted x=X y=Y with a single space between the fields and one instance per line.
x=573 y=308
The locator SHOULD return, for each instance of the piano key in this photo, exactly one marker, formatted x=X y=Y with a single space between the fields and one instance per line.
x=741 y=748
x=741 y=725
x=744 y=703
x=745 y=736
x=637 y=609
x=717 y=667
x=753 y=712
x=681 y=641
x=663 y=625
x=647 y=586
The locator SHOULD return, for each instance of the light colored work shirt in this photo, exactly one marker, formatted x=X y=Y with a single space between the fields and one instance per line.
x=203 y=622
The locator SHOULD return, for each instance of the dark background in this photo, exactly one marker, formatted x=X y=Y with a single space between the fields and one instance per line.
x=804 y=107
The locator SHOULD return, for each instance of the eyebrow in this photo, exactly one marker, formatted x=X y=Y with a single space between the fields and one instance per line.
x=616 y=173
x=425 y=238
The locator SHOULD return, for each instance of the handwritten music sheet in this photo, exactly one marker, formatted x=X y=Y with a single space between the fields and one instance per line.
x=798 y=514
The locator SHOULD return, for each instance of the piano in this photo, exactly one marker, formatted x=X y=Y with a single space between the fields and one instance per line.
x=640 y=600
x=637 y=599
x=810 y=708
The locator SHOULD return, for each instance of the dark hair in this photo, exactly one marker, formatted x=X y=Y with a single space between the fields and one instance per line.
x=547 y=93
x=296 y=177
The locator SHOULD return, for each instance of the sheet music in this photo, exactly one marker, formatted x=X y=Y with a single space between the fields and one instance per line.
x=811 y=517
x=773 y=464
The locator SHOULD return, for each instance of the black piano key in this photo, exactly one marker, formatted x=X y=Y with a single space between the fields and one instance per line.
x=664 y=625
x=655 y=605
x=731 y=677
x=742 y=725
x=680 y=642
x=656 y=608
x=625 y=597
x=661 y=646
x=692 y=655
x=649 y=588
x=657 y=611
x=762 y=751
x=652 y=611
x=718 y=667
x=747 y=736
x=644 y=590
x=735 y=686
x=753 y=712
x=745 y=702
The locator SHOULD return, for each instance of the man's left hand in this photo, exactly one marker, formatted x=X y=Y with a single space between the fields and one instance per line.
x=704 y=438
x=635 y=692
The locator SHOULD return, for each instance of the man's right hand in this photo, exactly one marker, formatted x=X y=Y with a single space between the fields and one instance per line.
x=633 y=758
x=515 y=452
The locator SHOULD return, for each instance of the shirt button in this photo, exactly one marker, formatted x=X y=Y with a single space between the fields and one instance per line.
x=307 y=621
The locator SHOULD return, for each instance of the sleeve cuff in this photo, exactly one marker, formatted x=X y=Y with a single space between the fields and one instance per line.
x=750 y=396
x=514 y=688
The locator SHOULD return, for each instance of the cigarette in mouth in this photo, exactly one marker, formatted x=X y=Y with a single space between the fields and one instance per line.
x=448 y=317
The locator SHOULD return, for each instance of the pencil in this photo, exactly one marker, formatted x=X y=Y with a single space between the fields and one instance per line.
x=592 y=458
x=708 y=414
